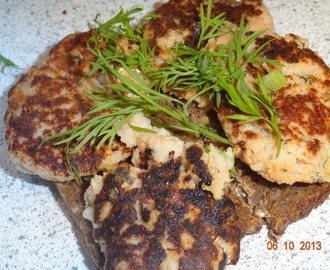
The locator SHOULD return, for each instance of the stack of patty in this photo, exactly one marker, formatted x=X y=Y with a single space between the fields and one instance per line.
x=161 y=219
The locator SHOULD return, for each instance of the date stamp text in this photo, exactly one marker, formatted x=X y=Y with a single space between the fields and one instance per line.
x=294 y=245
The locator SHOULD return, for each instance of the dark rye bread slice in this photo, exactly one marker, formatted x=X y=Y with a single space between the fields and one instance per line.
x=258 y=201
x=73 y=196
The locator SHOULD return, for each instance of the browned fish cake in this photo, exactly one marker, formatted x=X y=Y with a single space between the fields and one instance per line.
x=303 y=109
x=48 y=100
x=257 y=202
x=179 y=21
x=159 y=218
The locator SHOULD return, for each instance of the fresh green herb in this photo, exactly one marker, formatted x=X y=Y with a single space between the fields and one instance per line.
x=6 y=63
x=248 y=102
x=210 y=27
x=106 y=40
x=217 y=72
x=221 y=72
x=128 y=98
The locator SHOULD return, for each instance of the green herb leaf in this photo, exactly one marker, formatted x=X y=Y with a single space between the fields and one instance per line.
x=6 y=63
x=210 y=27
x=216 y=72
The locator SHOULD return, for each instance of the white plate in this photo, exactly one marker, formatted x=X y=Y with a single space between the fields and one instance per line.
x=35 y=228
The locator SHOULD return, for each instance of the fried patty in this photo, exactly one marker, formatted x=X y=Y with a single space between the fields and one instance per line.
x=48 y=100
x=161 y=209
x=250 y=200
x=158 y=218
x=303 y=109
x=179 y=21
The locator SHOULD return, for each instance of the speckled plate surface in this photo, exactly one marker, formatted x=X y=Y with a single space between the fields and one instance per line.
x=35 y=227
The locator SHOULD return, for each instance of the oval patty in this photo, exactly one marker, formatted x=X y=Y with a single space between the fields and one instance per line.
x=303 y=109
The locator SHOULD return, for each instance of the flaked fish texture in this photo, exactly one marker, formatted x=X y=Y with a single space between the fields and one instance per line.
x=48 y=100
x=160 y=218
x=51 y=98
x=303 y=110
x=177 y=206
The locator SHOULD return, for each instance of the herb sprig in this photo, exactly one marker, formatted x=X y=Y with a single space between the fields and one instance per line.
x=6 y=63
x=141 y=87
x=221 y=72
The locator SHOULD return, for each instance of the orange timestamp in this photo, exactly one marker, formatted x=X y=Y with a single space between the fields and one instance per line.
x=291 y=245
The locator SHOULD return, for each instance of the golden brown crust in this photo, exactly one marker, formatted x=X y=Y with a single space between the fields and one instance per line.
x=161 y=222
x=307 y=111
x=303 y=110
x=48 y=100
x=55 y=83
x=182 y=18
